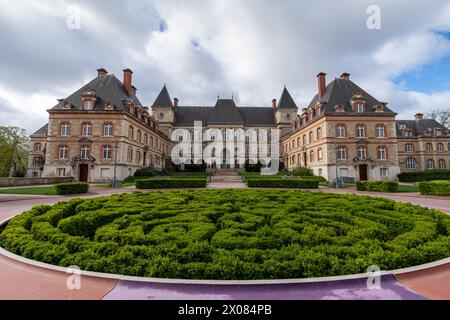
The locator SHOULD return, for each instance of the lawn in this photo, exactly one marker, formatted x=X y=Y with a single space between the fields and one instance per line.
x=50 y=190
x=230 y=234
x=407 y=188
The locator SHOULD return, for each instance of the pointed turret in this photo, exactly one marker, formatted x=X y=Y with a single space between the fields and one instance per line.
x=286 y=100
x=163 y=99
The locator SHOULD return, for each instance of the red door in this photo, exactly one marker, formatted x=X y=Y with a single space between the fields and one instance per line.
x=363 y=172
x=84 y=169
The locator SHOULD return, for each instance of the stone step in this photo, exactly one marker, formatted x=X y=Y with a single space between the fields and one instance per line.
x=226 y=178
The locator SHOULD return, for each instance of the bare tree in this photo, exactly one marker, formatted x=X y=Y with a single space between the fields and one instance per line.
x=440 y=115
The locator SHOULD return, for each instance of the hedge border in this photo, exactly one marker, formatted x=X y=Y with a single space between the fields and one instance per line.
x=170 y=183
x=380 y=186
x=283 y=183
x=71 y=188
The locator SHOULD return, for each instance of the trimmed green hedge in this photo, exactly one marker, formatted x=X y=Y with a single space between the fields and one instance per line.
x=314 y=178
x=283 y=183
x=426 y=175
x=170 y=183
x=230 y=234
x=302 y=171
x=71 y=188
x=381 y=186
x=438 y=187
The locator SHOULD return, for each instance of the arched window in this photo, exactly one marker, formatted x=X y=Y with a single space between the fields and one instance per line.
x=138 y=136
x=441 y=164
x=319 y=154
x=151 y=141
x=360 y=131
x=298 y=142
x=130 y=132
x=37 y=146
x=138 y=155
x=130 y=154
x=410 y=163
x=107 y=129
x=63 y=152
x=340 y=131
x=311 y=156
x=85 y=152
x=382 y=153
x=430 y=164
x=311 y=138
x=65 y=129
x=304 y=139
x=86 y=129
x=362 y=152
x=319 y=133
x=106 y=152
x=146 y=139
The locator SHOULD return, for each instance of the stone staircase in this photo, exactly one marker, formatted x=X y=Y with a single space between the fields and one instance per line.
x=226 y=175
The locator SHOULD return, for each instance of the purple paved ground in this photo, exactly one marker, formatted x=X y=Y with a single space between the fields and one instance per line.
x=331 y=290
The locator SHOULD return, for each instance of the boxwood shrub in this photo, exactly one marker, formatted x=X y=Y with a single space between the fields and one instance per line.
x=283 y=183
x=426 y=175
x=438 y=187
x=230 y=234
x=71 y=188
x=381 y=186
x=170 y=183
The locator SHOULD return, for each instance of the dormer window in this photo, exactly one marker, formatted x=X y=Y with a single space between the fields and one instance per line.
x=359 y=107
x=339 y=108
x=438 y=132
x=67 y=105
x=379 y=108
x=109 y=106
x=358 y=102
x=88 y=105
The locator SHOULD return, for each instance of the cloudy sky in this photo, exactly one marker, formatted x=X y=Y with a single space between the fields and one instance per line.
x=250 y=48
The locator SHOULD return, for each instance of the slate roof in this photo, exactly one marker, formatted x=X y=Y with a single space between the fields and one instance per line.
x=225 y=112
x=163 y=99
x=42 y=131
x=340 y=91
x=419 y=127
x=107 y=89
x=286 y=100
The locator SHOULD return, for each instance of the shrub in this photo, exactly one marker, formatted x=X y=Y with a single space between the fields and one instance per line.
x=314 y=178
x=145 y=172
x=283 y=183
x=71 y=188
x=426 y=175
x=302 y=171
x=381 y=186
x=252 y=167
x=437 y=188
x=170 y=183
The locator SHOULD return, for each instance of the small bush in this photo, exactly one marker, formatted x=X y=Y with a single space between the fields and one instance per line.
x=170 y=183
x=381 y=186
x=437 y=188
x=283 y=183
x=426 y=175
x=145 y=172
x=71 y=188
x=302 y=172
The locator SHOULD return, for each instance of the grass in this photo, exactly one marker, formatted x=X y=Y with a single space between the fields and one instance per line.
x=50 y=190
x=408 y=188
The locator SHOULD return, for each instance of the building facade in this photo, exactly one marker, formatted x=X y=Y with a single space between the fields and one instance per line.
x=99 y=132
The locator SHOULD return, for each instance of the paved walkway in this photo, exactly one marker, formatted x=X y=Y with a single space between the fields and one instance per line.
x=23 y=281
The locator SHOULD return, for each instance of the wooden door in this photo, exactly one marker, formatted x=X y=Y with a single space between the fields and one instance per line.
x=363 y=172
x=84 y=170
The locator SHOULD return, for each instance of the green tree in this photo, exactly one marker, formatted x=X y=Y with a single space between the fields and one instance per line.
x=440 y=115
x=14 y=143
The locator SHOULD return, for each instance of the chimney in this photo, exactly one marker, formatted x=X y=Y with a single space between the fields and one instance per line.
x=321 y=83
x=345 y=76
x=274 y=104
x=419 y=116
x=175 y=103
x=127 y=80
x=133 y=90
x=102 y=72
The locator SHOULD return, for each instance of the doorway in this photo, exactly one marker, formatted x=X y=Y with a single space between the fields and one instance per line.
x=363 y=172
x=84 y=170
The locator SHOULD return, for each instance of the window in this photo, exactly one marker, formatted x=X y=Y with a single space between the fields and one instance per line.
x=146 y=139
x=319 y=154
x=319 y=133
x=440 y=147
x=104 y=173
x=343 y=172
x=383 y=172
x=35 y=174
x=88 y=105
x=379 y=131
x=108 y=129
x=359 y=107
x=410 y=163
x=298 y=142
x=130 y=154
x=304 y=139
x=63 y=152
x=409 y=147
x=360 y=131
x=430 y=164
x=138 y=155
x=340 y=131
x=85 y=152
x=138 y=136
x=37 y=161
x=61 y=172
x=362 y=152
x=441 y=164
x=381 y=151
x=438 y=132
x=151 y=141
x=342 y=153
x=311 y=138
x=311 y=156
x=87 y=130
x=130 y=132
x=407 y=133
x=37 y=146
x=429 y=147
x=106 y=152
x=65 y=129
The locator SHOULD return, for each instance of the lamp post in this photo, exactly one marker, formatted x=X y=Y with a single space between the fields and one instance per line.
x=116 y=147
x=336 y=159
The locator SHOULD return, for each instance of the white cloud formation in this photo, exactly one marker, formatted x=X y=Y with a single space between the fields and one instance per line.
x=201 y=48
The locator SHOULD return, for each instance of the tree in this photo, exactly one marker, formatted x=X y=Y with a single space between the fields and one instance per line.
x=440 y=115
x=13 y=151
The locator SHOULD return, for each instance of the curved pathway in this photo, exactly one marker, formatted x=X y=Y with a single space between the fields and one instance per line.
x=22 y=280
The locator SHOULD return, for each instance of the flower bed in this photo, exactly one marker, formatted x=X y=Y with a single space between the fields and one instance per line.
x=230 y=234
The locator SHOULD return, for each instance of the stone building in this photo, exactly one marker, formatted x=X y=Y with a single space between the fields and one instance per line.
x=99 y=131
